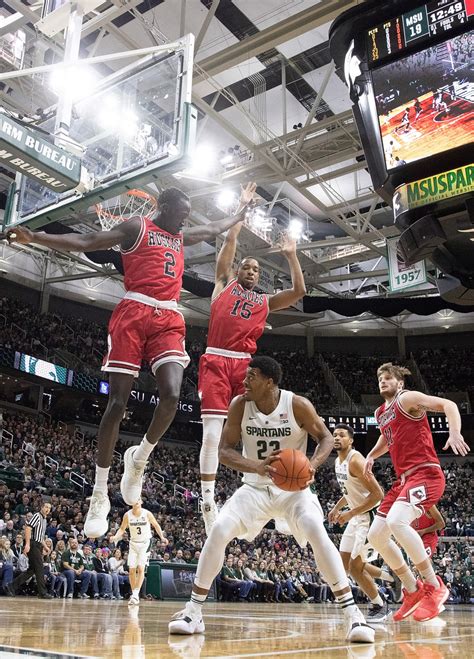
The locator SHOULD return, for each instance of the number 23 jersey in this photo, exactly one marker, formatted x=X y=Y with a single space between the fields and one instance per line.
x=264 y=433
x=154 y=265
x=238 y=318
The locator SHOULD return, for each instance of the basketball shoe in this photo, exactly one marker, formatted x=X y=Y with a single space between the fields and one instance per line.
x=132 y=479
x=432 y=601
x=187 y=621
x=379 y=613
x=358 y=631
x=96 y=523
x=209 y=515
x=134 y=600
x=411 y=601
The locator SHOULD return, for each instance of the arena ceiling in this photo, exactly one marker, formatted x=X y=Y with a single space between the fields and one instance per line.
x=264 y=82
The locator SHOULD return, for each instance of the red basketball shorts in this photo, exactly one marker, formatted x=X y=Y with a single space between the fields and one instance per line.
x=220 y=379
x=430 y=542
x=423 y=488
x=139 y=332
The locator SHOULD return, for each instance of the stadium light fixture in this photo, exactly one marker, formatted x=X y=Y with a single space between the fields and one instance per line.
x=76 y=81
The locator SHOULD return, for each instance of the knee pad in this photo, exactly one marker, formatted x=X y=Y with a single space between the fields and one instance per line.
x=401 y=515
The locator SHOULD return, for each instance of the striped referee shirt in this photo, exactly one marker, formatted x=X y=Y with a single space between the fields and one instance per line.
x=38 y=527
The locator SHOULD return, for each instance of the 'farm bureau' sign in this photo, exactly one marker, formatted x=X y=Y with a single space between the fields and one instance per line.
x=23 y=150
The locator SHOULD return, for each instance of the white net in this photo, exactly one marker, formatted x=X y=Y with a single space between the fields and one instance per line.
x=132 y=203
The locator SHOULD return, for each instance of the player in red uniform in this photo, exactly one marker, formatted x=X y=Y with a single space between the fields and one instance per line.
x=146 y=324
x=405 y=432
x=238 y=317
x=427 y=527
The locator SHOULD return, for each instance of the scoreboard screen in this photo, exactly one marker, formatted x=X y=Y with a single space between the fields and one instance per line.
x=429 y=20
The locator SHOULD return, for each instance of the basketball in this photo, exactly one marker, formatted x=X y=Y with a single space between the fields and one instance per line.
x=293 y=470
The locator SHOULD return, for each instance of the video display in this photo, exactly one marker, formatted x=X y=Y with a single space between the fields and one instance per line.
x=425 y=102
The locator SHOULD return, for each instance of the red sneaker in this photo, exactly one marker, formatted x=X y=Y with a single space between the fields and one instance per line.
x=411 y=601
x=432 y=603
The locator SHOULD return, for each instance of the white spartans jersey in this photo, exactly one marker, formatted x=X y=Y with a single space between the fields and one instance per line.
x=139 y=526
x=262 y=434
x=352 y=488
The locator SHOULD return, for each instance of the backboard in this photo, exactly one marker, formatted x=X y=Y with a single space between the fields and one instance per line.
x=136 y=124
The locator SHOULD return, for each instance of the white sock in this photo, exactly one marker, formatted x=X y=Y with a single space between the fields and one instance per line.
x=408 y=580
x=101 y=479
x=386 y=576
x=136 y=592
x=207 y=489
x=429 y=576
x=143 y=451
x=196 y=602
x=377 y=600
x=346 y=602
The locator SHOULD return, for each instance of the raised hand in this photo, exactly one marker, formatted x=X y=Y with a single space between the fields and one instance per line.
x=247 y=194
x=21 y=235
x=287 y=244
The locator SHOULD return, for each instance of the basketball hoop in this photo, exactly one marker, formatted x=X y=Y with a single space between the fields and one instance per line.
x=132 y=203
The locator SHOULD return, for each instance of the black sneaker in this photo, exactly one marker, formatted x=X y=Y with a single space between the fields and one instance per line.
x=378 y=613
x=45 y=596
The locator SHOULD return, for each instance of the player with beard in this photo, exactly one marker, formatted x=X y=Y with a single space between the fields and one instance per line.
x=406 y=434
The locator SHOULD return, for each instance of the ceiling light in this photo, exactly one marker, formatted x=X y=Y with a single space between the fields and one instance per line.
x=295 y=228
x=204 y=159
x=74 y=80
x=226 y=199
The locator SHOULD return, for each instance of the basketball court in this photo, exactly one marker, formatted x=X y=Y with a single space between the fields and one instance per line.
x=103 y=629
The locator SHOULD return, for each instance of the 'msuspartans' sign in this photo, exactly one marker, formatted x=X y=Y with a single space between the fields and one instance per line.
x=26 y=152
x=431 y=189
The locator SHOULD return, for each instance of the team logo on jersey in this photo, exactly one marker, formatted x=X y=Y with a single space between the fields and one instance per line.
x=386 y=417
x=284 y=418
x=251 y=296
x=417 y=494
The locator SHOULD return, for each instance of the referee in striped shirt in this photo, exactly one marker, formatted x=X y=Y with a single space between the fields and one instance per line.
x=35 y=531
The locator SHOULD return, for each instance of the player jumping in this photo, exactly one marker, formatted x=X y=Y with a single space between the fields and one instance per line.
x=146 y=324
x=405 y=433
x=238 y=317
x=266 y=411
x=361 y=496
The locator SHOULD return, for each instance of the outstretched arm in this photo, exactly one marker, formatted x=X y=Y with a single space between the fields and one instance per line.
x=415 y=402
x=286 y=298
x=209 y=231
x=126 y=232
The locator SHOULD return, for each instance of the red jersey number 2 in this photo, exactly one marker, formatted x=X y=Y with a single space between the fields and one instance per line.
x=170 y=263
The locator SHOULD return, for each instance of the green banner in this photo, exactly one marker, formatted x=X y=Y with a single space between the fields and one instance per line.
x=429 y=190
x=23 y=150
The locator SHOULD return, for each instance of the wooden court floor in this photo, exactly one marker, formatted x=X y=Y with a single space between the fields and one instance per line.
x=65 y=628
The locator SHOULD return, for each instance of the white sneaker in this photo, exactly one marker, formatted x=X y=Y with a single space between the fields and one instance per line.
x=132 y=479
x=96 y=523
x=209 y=514
x=358 y=631
x=186 y=622
x=133 y=601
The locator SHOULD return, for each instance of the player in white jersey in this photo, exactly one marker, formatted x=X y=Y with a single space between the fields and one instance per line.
x=267 y=419
x=356 y=508
x=139 y=521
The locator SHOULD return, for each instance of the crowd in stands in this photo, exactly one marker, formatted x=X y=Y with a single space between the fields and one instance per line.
x=447 y=369
x=22 y=328
x=43 y=455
